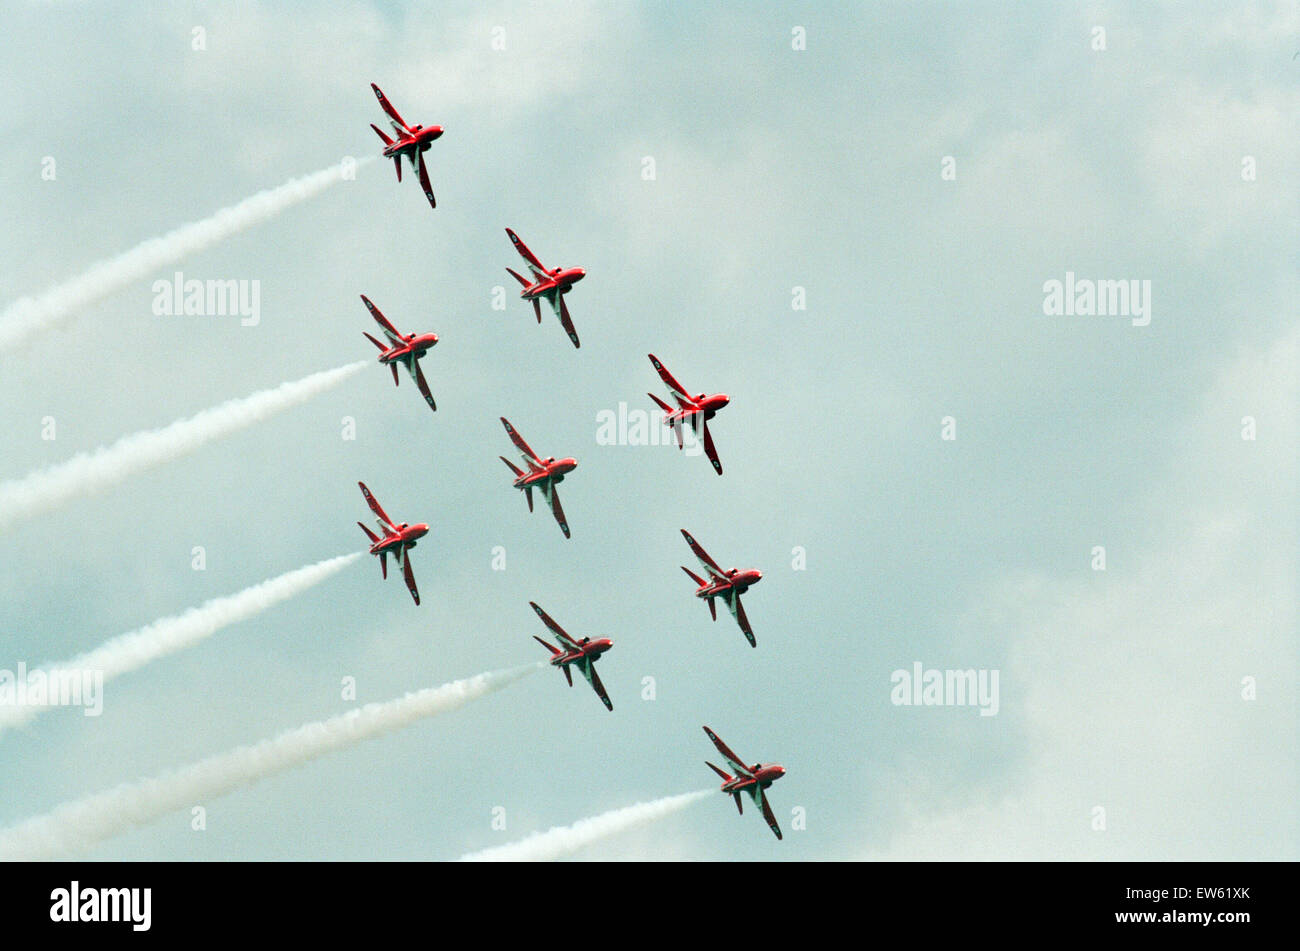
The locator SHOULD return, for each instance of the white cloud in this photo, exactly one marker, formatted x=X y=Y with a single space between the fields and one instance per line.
x=1132 y=678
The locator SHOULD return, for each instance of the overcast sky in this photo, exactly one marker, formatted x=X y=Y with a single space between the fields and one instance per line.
x=775 y=168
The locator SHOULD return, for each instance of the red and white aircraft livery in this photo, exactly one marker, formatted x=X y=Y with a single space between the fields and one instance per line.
x=696 y=410
x=543 y=474
x=552 y=285
x=748 y=779
x=406 y=349
x=397 y=540
x=727 y=585
x=583 y=653
x=411 y=141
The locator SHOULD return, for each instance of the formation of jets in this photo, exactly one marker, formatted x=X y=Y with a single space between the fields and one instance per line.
x=545 y=474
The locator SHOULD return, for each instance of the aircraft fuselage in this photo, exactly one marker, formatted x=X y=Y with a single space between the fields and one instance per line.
x=559 y=281
x=405 y=537
x=416 y=345
x=420 y=141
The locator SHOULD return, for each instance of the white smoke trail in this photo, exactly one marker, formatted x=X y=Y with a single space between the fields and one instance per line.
x=133 y=650
x=77 y=825
x=561 y=840
x=90 y=472
x=29 y=315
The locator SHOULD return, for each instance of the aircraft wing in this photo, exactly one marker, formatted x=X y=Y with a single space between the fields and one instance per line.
x=711 y=451
x=389 y=330
x=559 y=512
x=374 y=504
x=526 y=254
x=669 y=380
x=562 y=311
x=409 y=575
x=388 y=108
x=553 y=499
x=418 y=375
x=735 y=761
x=709 y=565
x=738 y=612
x=558 y=631
x=589 y=671
x=424 y=182
x=767 y=814
x=518 y=440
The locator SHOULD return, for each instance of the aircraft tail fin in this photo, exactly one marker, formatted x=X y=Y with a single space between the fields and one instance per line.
x=518 y=277
x=726 y=777
x=550 y=647
x=660 y=403
x=380 y=132
x=694 y=577
x=373 y=340
x=369 y=534
x=513 y=468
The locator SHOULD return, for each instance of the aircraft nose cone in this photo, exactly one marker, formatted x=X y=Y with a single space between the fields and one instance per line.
x=722 y=399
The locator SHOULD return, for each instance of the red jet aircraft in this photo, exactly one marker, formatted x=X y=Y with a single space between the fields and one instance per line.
x=406 y=349
x=411 y=141
x=583 y=653
x=543 y=474
x=398 y=539
x=727 y=585
x=749 y=779
x=552 y=285
x=696 y=410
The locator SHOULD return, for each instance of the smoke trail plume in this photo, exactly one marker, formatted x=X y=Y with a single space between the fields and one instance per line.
x=90 y=472
x=77 y=825
x=133 y=650
x=29 y=315
x=561 y=840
